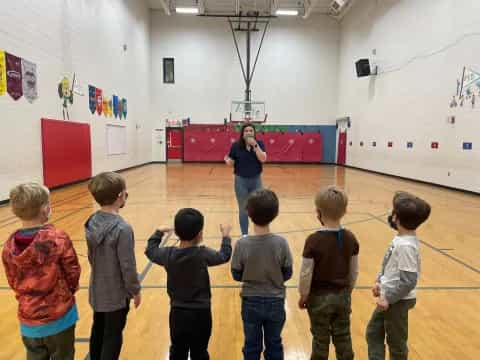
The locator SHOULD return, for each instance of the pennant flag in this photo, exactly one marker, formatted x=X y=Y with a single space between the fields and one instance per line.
x=120 y=109
x=98 y=97
x=29 y=80
x=92 y=98
x=3 y=73
x=110 y=108
x=105 y=107
x=14 y=76
x=115 y=105
x=124 y=108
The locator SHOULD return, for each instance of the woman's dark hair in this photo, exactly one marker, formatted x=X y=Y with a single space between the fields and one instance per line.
x=241 y=140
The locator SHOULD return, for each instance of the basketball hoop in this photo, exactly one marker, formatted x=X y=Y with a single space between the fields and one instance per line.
x=248 y=111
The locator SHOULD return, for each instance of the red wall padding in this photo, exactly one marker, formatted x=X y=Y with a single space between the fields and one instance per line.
x=66 y=152
x=213 y=143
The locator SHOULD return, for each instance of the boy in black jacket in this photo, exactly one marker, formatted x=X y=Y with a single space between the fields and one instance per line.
x=188 y=283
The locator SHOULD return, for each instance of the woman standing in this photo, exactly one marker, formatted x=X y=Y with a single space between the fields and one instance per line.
x=247 y=156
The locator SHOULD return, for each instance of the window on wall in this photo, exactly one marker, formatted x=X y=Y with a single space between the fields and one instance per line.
x=169 y=70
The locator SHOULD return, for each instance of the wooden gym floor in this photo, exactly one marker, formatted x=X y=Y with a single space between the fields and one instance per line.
x=444 y=325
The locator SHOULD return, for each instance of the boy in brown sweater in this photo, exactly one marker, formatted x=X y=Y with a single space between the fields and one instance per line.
x=328 y=275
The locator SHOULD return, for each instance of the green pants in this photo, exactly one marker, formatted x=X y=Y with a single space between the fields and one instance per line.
x=60 y=346
x=394 y=324
x=330 y=318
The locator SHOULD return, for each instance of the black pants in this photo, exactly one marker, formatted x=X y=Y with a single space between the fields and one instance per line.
x=190 y=330
x=106 y=338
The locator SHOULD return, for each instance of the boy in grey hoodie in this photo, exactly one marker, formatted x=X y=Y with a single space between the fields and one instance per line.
x=111 y=254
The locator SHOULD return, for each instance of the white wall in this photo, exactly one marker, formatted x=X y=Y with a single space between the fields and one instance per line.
x=85 y=37
x=296 y=74
x=410 y=102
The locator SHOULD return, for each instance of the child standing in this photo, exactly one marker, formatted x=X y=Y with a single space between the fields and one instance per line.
x=397 y=280
x=262 y=262
x=42 y=268
x=111 y=254
x=188 y=282
x=328 y=274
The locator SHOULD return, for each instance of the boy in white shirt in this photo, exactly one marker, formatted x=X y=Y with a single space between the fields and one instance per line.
x=397 y=280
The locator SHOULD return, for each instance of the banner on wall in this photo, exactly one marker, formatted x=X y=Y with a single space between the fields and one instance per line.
x=29 y=80
x=92 y=98
x=14 y=76
x=115 y=105
x=3 y=73
x=105 y=107
x=99 y=102
x=120 y=109
x=124 y=108
x=109 y=109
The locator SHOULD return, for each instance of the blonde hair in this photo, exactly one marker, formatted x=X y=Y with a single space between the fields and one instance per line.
x=106 y=187
x=332 y=202
x=28 y=199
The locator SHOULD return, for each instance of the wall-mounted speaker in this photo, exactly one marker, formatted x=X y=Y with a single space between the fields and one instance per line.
x=363 y=67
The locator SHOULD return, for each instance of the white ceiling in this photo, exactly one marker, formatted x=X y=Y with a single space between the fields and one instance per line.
x=265 y=7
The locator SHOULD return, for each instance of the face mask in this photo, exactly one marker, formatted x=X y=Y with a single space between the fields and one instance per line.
x=392 y=223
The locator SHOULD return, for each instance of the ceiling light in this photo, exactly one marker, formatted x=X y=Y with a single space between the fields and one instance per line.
x=287 y=12
x=186 y=10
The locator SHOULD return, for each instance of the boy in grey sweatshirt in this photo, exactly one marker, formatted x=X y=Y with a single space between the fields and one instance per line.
x=111 y=254
x=262 y=262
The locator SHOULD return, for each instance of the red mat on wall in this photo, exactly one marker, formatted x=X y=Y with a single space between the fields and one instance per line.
x=66 y=151
x=212 y=144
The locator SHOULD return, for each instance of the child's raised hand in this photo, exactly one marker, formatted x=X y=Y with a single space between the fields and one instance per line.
x=376 y=290
x=225 y=229
x=167 y=231
x=302 y=302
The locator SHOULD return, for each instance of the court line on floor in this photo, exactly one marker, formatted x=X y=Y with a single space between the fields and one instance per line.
x=71 y=213
x=434 y=248
x=301 y=212
x=60 y=218
x=60 y=202
x=362 y=287
x=237 y=236
x=289 y=287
